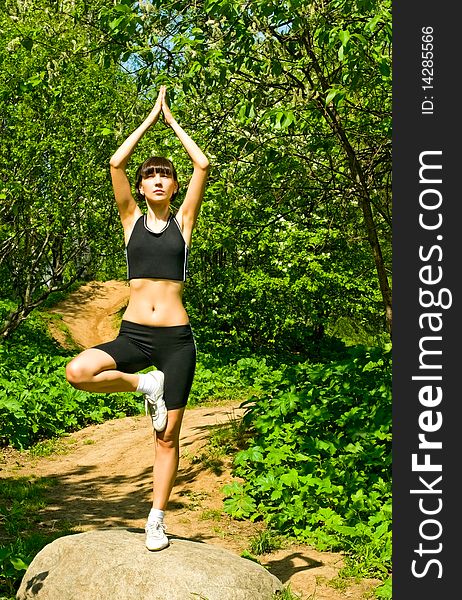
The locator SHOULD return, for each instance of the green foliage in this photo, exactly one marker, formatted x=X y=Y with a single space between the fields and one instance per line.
x=58 y=296
x=292 y=103
x=288 y=594
x=385 y=591
x=36 y=401
x=221 y=379
x=223 y=440
x=297 y=100
x=266 y=541
x=56 y=209
x=298 y=127
x=282 y=295
x=12 y=568
x=20 y=502
x=28 y=340
x=312 y=450
x=319 y=463
x=249 y=556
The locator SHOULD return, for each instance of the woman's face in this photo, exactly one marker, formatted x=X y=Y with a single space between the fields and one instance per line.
x=158 y=187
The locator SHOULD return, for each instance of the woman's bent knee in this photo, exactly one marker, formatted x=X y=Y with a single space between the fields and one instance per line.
x=76 y=375
x=83 y=368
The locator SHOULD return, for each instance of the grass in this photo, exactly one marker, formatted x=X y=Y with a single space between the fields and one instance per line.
x=249 y=556
x=219 y=532
x=195 y=499
x=22 y=534
x=337 y=583
x=265 y=542
x=288 y=594
x=224 y=441
x=211 y=515
x=22 y=499
x=50 y=447
x=56 y=321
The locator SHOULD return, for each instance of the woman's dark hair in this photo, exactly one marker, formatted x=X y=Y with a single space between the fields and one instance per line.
x=151 y=166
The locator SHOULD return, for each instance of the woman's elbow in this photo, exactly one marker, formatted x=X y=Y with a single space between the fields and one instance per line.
x=203 y=164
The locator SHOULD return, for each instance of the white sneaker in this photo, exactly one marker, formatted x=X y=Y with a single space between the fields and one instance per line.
x=155 y=535
x=154 y=403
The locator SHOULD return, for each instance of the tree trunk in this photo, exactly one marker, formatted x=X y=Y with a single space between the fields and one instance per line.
x=13 y=320
x=371 y=228
x=330 y=115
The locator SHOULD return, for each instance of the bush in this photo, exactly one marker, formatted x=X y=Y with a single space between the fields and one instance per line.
x=319 y=464
x=36 y=402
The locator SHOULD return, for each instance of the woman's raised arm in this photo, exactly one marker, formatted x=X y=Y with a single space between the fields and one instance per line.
x=190 y=207
x=128 y=208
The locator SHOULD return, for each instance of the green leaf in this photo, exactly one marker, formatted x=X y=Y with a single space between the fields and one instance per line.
x=372 y=23
x=239 y=506
x=290 y=479
x=344 y=36
x=27 y=43
x=19 y=564
x=384 y=68
x=331 y=95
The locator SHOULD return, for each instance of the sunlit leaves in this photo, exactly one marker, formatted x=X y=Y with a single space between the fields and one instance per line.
x=53 y=406
x=329 y=481
x=253 y=86
x=61 y=112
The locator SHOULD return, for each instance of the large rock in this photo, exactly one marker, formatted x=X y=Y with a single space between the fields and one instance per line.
x=115 y=564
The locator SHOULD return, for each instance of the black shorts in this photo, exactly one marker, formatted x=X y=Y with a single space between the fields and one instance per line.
x=171 y=349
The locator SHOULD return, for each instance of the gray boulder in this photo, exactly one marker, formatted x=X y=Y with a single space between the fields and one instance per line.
x=115 y=564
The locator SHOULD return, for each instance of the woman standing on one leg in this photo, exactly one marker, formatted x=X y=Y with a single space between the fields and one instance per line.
x=155 y=329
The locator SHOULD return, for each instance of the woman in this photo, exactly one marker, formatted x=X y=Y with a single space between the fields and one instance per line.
x=155 y=329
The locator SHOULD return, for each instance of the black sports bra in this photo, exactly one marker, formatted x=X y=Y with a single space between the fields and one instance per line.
x=152 y=255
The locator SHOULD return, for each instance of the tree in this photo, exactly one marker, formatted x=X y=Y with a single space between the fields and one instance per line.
x=297 y=89
x=291 y=101
x=59 y=111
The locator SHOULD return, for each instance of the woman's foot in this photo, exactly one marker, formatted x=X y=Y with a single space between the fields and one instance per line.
x=155 y=535
x=154 y=401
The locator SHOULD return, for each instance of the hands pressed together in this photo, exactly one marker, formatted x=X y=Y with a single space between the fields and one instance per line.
x=161 y=106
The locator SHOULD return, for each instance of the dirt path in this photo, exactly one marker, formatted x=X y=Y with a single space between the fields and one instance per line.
x=105 y=476
x=89 y=313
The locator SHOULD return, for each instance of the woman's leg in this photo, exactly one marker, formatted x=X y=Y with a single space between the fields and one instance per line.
x=167 y=458
x=165 y=470
x=176 y=358
x=95 y=371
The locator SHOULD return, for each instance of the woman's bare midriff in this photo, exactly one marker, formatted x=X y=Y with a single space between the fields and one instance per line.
x=156 y=302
